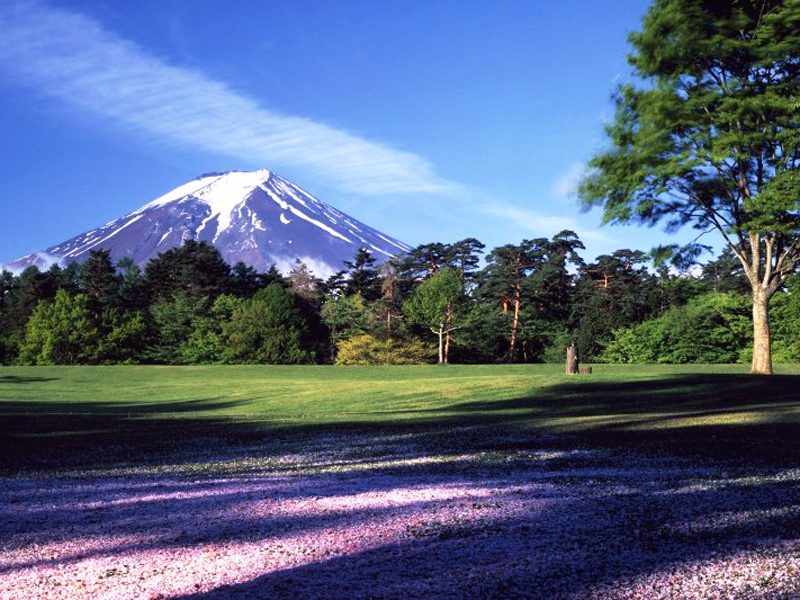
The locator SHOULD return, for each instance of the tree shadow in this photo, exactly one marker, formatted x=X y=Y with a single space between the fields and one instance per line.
x=635 y=478
x=20 y=379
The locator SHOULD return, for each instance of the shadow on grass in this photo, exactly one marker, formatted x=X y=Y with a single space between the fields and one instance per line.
x=18 y=379
x=735 y=417
x=604 y=519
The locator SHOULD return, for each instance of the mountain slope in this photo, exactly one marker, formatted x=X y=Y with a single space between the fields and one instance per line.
x=256 y=217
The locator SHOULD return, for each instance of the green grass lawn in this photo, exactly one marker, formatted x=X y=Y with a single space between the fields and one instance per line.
x=60 y=415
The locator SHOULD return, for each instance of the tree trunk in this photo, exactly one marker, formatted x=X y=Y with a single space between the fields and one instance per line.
x=514 y=326
x=449 y=326
x=762 y=349
x=441 y=343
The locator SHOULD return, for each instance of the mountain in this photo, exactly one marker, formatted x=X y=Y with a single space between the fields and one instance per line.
x=256 y=217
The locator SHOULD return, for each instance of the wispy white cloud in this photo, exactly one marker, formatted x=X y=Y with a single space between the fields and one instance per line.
x=567 y=185
x=73 y=58
x=539 y=224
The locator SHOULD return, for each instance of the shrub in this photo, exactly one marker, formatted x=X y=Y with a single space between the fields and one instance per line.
x=368 y=350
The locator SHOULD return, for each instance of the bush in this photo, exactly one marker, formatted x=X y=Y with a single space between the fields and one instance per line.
x=713 y=328
x=368 y=350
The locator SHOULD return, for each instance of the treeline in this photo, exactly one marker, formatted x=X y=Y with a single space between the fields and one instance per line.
x=526 y=304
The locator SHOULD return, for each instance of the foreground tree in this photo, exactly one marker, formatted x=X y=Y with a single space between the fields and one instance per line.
x=714 y=140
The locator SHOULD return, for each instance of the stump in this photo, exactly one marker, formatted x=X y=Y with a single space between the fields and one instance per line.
x=586 y=370
x=572 y=360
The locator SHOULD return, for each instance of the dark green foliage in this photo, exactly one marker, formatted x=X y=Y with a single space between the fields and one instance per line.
x=464 y=256
x=98 y=279
x=206 y=341
x=132 y=288
x=725 y=274
x=614 y=291
x=540 y=293
x=363 y=277
x=172 y=323
x=269 y=328
x=196 y=269
x=246 y=281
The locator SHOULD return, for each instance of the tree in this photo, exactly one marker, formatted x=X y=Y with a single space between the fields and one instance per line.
x=98 y=279
x=173 y=322
x=206 y=341
x=725 y=274
x=712 y=328
x=439 y=304
x=61 y=332
x=363 y=277
x=303 y=282
x=345 y=317
x=269 y=328
x=245 y=280
x=506 y=278
x=196 y=269
x=614 y=291
x=714 y=139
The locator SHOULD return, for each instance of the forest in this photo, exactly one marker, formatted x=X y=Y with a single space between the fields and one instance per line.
x=438 y=302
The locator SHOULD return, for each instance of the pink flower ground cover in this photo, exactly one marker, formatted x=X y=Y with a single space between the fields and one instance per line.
x=352 y=516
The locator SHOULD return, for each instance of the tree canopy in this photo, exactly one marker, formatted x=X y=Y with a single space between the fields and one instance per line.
x=709 y=136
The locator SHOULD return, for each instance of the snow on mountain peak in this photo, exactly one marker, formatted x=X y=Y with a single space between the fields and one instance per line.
x=253 y=216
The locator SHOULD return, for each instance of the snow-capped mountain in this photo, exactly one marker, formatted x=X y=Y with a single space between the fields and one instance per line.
x=256 y=217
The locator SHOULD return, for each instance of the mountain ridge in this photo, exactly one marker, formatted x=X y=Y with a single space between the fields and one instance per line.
x=257 y=217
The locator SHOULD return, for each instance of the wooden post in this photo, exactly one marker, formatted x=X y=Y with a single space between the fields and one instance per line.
x=572 y=359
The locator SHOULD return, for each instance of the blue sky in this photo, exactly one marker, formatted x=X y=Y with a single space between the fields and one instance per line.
x=431 y=121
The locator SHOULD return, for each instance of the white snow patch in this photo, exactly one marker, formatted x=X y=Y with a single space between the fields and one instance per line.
x=289 y=191
x=296 y=212
x=401 y=246
x=278 y=200
x=353 y=225
x=257 y=224
x=180 y=192
x=284 y=220
x=221 y=193
x=163 y=237
x=379 y=250
x=319 y=224
x=90 y=245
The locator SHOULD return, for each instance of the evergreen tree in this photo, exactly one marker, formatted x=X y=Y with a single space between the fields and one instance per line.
x=464 y=256
x=726 y=274
x=269 y=328
x=506 y=282
x=363 y=277
x=614 y=291
x=98 y=279
x=303 y=283
x=245 y=280
x=195 y=269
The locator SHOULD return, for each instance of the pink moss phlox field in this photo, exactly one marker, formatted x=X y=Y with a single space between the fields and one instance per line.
x=352 y=516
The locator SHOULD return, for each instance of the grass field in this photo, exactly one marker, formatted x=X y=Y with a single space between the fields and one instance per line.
x=399 y=482
x=60 y=415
